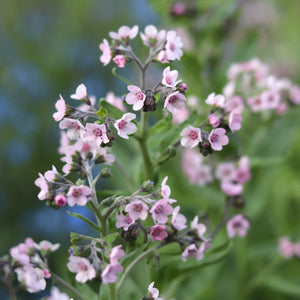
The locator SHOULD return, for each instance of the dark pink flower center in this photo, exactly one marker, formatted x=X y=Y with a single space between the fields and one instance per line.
x=168 y=80
x=138 y=207
x=257 y=101
x=156 y=231
x=139 y=95
x=193 y=135
x=122 y=124
x=128 y=220
x=76 y=192
x=97 y=132
x=237 y=224
x=214 y=137
x=75 y=126
x=158 y=209
x=172 y=46
x=192 y=252
x=172 y=99
x=82 y=266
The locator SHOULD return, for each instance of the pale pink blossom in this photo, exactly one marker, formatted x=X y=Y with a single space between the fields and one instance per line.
x=256 y=103
x=73 y=126
x=162 y=57
x=79 y=195
x=60 y=200
x=229 y=89
x=64 y=142
x=115 y=254
x=178 y=9
x=109 y=274
x=192 y=251
x=82 y=267
x=297 y=249
x=125 y=33
x=237 y=225
x=242 y=175
x=180 y=115
x=270 y=99
x=170 y=78
x=282 y=108
x=124 y=221
x=178 y=220
x=190 y=137
x=174 y=101
x=154 y=292
x=135 y=97
x=225 y=171
x=137 y=209
x=202 y=175
x=96 y=132
x=152 y=37
x=234 y=121
x=217 y=100
x=43 y=185
x=81 y=93
x=158 y=232
x=235 y=104
x=165 y=189
x=218 y=139
x=106 y=56
x=56 y=294
x=213 y=120
x=200 y=228
x=61 y=107
x=51 y=174
x=115 y=101
x=161 y=210
x=231 y=189
x=47 y=273
x=295 y=94
x=120 y=60
x=174 y=46
x=286 y=247
x=47 y=246
x=33 y=278
x=124 y=125
x=20 y=252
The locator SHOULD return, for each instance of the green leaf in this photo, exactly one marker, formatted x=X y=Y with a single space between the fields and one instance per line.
x=113 y=111
x=170 y=152
x=120 y=77
x=84 y=219
x=111 y=237
x=102 y=112
x=161 y=126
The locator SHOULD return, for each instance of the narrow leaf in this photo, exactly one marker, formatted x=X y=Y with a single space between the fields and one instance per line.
x=113 y=111
x=120 y=77
x=84 y=219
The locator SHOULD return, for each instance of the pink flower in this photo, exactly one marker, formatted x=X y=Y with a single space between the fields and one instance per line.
x=213 y=120
x=106 y=56
x=82 y=266
x=192 y=251
x=231 y=189
x=178 y=220
x=124 y=125
x=174 y=46
x=237 y=225
x=115 y=254
x=202 y=175
x=297 y=249
x=286 y=247
x=256 y=103
x=81 y=93
x=282 y=108
x=226 y=171
x=162 y=57
x=43 y=185
x=160 y=211
x=109 y=274
x=235 y=104
x=154 y=292
x=20 y=254
x=270 y=99
x=120 y=60
x=295 y=94
x=79 y=195
x=57 y=295
x=137 y=209
x=166 y=191
x=178 y=9
x=115 y=101
x=218 y=139
x=174 y=101
x=33 y=278
x=234 y=121
x=47 y=246
x=217 y=100
x=191 y=136
x=201 y=228
x=180 y=115
x=51 y=174
x=153 y=38
x=74 y=128
x=124 y=221
x=242 y=175
x=169 y=78
x=97 y=133
x=158 y=232
x=135 y=97
x=125 y=33
x=60 y=200
x=61 y=107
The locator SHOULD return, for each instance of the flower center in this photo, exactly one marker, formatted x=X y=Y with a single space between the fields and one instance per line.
x=172 y=99
x=172 y=46
x=156 y=232
x=236 y=225
x=82 y=266
x=75 y=126
x=128 y=220
x=140 y=95
x=76 y=192
x=137 y=207
x=193 y=135
x=214 y=137
x=192 y=252
x=158 y=209
x=97 y=132
x=122 y=124
x=168 y=80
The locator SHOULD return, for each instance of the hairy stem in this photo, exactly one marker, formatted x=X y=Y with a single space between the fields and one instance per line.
x=63 y=283
x=111 y=291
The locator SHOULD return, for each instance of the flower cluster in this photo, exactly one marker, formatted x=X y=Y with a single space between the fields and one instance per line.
x=288 y=249
x=29 y=262
x=252 y=83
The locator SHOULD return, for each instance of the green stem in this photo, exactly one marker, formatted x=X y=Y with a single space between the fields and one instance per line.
x=112 y=291
x=63 y=283
x=131 y=266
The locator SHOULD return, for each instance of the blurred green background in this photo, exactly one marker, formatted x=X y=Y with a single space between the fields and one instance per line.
x=49 y=47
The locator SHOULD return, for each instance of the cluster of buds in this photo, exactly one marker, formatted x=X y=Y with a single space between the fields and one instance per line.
x=164 y=45
x=288 y=249
x=29 y=261
x=252 y=83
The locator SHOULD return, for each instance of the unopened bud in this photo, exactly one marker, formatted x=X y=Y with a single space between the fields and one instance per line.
x=147 y=186
x=60 y=200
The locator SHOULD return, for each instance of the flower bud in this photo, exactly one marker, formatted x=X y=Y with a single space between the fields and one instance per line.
x=147 y=186
x=60 y=200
